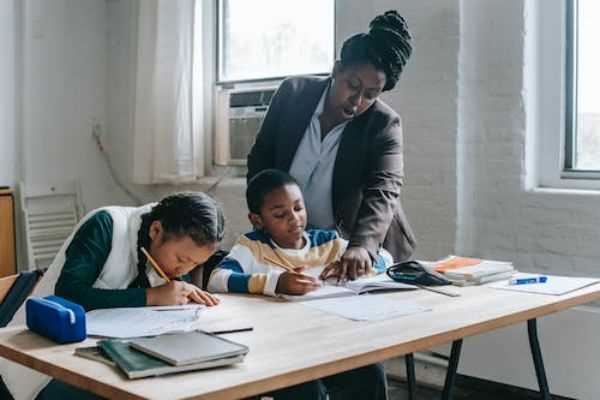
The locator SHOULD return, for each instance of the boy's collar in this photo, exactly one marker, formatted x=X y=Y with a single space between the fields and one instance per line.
x=303 y=248
x=269 y=239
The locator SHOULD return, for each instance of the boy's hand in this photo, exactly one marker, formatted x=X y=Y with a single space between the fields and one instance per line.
x=178 y=292
x=296 y=282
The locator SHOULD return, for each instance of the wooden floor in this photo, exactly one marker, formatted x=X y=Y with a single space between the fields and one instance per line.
x=467 y=389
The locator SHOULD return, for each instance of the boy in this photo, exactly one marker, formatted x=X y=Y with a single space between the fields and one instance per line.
x=271 y=259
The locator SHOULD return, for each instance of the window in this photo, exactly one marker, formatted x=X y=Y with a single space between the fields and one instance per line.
x=582 y=141
x=563 y=63
x=269 y=39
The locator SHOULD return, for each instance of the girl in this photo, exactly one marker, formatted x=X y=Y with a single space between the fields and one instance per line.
x=102 y=264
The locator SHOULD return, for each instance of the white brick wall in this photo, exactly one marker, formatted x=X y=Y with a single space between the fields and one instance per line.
x=499 y=217
x=542 y=230
x=425 y=97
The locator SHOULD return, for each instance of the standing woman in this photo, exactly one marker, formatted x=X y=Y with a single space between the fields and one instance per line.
x=344 y=145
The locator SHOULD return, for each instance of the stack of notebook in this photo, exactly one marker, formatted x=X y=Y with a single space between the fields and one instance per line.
x=167 y=354
x=464 y=271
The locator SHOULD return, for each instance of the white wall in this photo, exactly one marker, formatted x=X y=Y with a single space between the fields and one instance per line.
x=8 y=138
x=64 y=91
x=425 y=97
x=499 y=217
x=541 y=230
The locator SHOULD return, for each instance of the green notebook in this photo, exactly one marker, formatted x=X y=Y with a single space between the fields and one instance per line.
x=94 y=353
x=136 y=364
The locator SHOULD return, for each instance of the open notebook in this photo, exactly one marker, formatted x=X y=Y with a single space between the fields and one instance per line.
x=329 y=289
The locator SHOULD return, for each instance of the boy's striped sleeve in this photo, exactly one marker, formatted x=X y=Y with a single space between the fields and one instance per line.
x=236 y=273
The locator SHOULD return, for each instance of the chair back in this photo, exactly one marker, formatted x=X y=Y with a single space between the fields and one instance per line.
x=14 y=290
x=50 y=212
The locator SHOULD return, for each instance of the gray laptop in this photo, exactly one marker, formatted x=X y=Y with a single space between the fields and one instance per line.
x=189 y=348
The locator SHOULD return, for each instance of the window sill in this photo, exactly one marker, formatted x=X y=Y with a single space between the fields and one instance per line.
x=581 y=175
x=564 y=191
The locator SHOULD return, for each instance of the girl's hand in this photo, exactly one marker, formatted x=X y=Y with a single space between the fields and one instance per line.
x=296 y=282
x=178 y=292
x=202 y=297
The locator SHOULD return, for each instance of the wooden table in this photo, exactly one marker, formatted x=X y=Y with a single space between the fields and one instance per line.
x=292 y=343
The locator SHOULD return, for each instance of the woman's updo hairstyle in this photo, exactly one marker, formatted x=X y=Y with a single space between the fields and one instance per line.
x=387 y=46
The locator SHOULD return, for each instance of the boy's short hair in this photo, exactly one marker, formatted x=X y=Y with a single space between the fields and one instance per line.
x=264 y=183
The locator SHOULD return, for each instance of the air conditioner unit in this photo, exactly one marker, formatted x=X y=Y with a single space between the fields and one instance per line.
x=239 y=113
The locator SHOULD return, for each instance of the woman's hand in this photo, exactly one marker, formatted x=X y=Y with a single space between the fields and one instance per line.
x=355 y=262
x=296 y=282
x=178 y=292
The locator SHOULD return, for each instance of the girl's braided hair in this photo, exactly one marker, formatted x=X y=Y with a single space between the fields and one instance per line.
x=192 y=214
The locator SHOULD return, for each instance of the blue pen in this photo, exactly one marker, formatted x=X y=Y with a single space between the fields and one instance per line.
x=531 y=279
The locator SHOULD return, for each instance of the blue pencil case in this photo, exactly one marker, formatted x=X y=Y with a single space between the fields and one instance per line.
x=56 y=318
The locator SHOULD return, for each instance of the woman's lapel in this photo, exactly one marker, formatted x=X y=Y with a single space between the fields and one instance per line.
x=299 y=120
x=350 y=160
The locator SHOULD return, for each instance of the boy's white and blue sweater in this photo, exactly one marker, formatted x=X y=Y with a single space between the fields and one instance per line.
x=250 y=267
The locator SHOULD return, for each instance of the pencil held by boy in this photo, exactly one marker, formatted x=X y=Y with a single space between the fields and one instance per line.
x=278 y=255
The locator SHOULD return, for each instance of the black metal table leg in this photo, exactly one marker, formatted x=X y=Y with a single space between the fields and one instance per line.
x=452 y=367
x=410 y=376
x=538 y=362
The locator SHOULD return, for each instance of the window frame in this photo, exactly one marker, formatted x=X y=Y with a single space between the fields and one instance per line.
x=557 y=104
x=219 y=53
x=571 y=84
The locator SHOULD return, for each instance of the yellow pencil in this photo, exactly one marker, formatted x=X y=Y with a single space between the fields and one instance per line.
x=281 y=264
x=155 y=265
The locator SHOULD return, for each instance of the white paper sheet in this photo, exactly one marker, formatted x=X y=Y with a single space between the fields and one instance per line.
x=555 y=285
x=140 y=321
x=366 y=307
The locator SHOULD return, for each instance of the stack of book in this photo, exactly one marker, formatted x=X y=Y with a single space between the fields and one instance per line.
x=166 y=354
x=465 y=271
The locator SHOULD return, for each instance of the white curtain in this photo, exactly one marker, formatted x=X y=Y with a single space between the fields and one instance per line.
x=168 y=109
